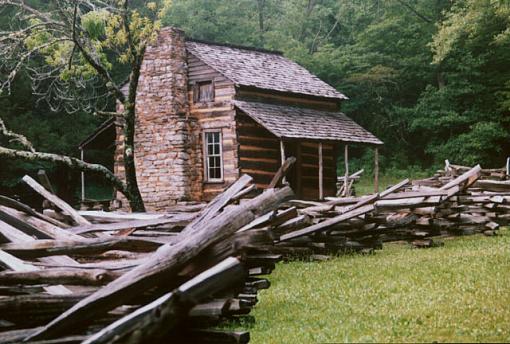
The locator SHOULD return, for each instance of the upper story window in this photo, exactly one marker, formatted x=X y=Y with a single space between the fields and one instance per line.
x=203 y=91
x=213 y=156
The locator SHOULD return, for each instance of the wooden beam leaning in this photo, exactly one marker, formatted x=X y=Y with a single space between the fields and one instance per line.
x=212 y=209
x=167 y=261
x=324 y=225
x=282 y=154
x=393 y=188
x=45 y=181
x=82 y=175
x=282 y=171
x=55 y=200
x=11 y=203
x=346 y=178
x=321 y=173
x=376 y=169
x=22 y=226
x=469 y=177
x=152 y=322
x=360 y=208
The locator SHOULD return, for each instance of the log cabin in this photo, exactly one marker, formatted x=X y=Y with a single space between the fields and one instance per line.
x=208 y=113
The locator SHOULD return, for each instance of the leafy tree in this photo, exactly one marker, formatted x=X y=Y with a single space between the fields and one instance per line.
x=69 y=50
x=466 y=117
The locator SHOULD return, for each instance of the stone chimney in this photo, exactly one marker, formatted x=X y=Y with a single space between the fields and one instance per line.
x=164 y=152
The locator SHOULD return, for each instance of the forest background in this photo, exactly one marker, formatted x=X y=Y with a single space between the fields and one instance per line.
x=431 y=78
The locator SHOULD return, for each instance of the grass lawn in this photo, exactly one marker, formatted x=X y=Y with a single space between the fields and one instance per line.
x=456 y=293
x=366 y=183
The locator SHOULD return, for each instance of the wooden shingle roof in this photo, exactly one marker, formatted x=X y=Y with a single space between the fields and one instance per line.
x=295 y=122
x=261 y=69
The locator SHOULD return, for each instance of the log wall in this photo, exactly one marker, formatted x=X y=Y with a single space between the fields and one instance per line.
x=259 y=150
x=260 y=157
x=288 y=99
x=218 y=114
x=308 y=162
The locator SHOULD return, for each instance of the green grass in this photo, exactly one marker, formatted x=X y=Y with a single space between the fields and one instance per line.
x=459 y=292
x=366 y=183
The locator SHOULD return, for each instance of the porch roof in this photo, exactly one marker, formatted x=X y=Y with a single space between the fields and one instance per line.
x=101 y=138
x=295 y=122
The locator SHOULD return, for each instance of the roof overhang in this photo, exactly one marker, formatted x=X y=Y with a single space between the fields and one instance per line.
x=101 y=138
x=288 y=122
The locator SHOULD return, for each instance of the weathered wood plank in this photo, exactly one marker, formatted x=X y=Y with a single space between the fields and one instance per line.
x=58 y=276
x=152 y=322
x=55 y=200
x=167 y=261
x=16 y=264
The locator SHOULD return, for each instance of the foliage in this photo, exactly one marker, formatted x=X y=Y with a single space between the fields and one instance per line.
x=456 y=293
x=51 y=132
x=430 y=78
x=77 y=55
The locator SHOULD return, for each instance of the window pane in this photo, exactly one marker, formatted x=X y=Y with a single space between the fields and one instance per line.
x=216 y=173
x=213 y=156
x=205 y=91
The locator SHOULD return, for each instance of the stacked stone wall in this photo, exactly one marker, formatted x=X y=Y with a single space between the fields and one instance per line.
x=166 y=152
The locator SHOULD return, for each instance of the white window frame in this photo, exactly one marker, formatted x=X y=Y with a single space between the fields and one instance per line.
x=207 y=178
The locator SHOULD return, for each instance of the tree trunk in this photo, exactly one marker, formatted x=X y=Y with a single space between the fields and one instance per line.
x=135 y=201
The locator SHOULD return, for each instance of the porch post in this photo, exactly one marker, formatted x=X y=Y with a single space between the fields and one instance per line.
x=321 y=172
x=282 y=152
x=376 y=170
x=82 y=177
x=346 y=179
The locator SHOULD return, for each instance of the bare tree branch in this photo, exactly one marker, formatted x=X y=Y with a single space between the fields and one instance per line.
x=14 y=137
x=70 y=162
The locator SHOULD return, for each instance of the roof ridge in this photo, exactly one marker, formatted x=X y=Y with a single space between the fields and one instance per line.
x=235 y=46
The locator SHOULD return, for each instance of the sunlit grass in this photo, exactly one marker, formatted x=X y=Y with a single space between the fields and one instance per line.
x=459 y=292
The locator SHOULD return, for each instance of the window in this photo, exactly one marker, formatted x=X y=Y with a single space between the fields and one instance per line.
x=203 y=91
x=213 y=156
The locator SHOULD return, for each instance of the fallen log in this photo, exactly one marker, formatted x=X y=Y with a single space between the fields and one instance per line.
x=467 y=179
x=215 y=206
x=493 y=185
x=11 y=203
x=181 y=220
x=167 y=261
x=44 y=248
x=58 y=276
x=55 y=200
x=49 y=230
x=326 y=224
x=152 y=322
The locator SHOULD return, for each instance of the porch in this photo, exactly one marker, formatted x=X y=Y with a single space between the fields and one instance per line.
x=315 y=138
